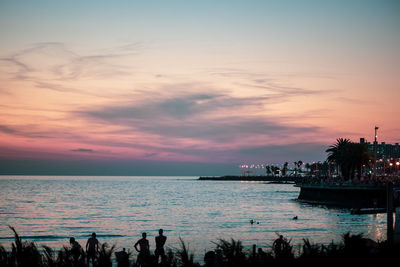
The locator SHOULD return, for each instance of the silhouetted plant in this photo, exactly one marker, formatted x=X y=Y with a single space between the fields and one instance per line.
x=122 y=258
x=64 y=257
x=24 y=253
x=68 y=257
x=310 y=249
x=184 y=257
x=4 y=257
x=49 y=258
x=171 y=259
x=232 y=252
x=312 y=253
x=333 y=250
x=354 y=250
x=104 y=255
x=283 y=250
x=354 y=244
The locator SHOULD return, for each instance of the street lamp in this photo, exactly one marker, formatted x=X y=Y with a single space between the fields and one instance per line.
x=375 y=144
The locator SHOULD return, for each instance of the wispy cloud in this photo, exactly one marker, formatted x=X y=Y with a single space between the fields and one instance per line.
x=55 y=61
x=7 y=129
x=85 y=150
x=105 y=102
x=177 y=107
x=215 y=123
x=26 y=131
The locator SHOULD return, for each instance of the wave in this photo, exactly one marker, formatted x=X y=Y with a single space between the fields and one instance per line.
x=106 y=236
x=56 y=237
x=46 y=237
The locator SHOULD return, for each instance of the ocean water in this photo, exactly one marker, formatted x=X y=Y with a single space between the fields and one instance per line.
x=50 y=209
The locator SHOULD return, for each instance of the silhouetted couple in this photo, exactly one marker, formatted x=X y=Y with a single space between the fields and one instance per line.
x=144 y=248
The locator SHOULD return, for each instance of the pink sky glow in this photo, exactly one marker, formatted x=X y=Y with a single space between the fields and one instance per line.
x=203 y=96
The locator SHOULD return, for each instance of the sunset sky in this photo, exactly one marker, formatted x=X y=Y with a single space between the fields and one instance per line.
x=192 y=87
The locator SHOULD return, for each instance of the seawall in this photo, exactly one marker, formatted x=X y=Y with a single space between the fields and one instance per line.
x=351 y=196
x=253 y=178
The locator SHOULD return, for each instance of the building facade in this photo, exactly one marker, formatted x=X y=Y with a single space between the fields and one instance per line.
x=383 y=150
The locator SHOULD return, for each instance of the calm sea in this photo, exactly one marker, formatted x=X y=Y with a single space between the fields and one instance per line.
x=50 y=209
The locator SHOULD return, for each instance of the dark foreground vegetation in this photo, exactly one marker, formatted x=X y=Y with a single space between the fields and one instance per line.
x=354 y=250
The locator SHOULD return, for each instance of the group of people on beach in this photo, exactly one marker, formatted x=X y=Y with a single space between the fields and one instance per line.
x=142 y=246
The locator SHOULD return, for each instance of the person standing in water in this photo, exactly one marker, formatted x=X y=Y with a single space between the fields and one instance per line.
x=160 y=242
x=92 y=246
x=144 y=250
x=75 y=249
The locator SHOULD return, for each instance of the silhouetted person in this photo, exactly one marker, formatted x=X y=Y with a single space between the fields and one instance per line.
x=122 y=258
x=278 y=245
x=92 y=246
x=75 y=248
x=74 y=244
x=160 y=242
x=144 y=250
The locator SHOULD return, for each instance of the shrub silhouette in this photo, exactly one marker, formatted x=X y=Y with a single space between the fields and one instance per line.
x=104 y=255
x=232 y=252
x=353 y=250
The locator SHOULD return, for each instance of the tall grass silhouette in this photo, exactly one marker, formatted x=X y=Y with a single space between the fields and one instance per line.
x=353 y=250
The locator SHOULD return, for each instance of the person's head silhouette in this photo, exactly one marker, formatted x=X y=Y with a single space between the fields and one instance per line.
x=144 y=235
x=94 y=235
x=160 y=231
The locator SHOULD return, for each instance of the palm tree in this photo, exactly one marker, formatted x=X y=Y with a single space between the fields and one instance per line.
x=297 y=166
x=299 y=163
x=338 y=154
x=268 y=170
x=284 y=169
x=359 y=157
x=348 y=156
x=308 y=168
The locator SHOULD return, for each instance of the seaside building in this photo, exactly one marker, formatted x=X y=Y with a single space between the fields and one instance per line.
x=383 y=150
x=387 y=156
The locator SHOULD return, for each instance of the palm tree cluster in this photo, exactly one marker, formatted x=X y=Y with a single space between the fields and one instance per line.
x=275 y=170
x=272 y=170
x=349 y=157
x=297 y=166
x=353 y=250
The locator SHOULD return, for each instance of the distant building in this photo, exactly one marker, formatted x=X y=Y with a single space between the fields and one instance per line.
x=383 y=150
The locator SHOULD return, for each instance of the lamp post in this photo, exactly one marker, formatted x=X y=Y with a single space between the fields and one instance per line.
x=375 y=144
x=391 y=168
